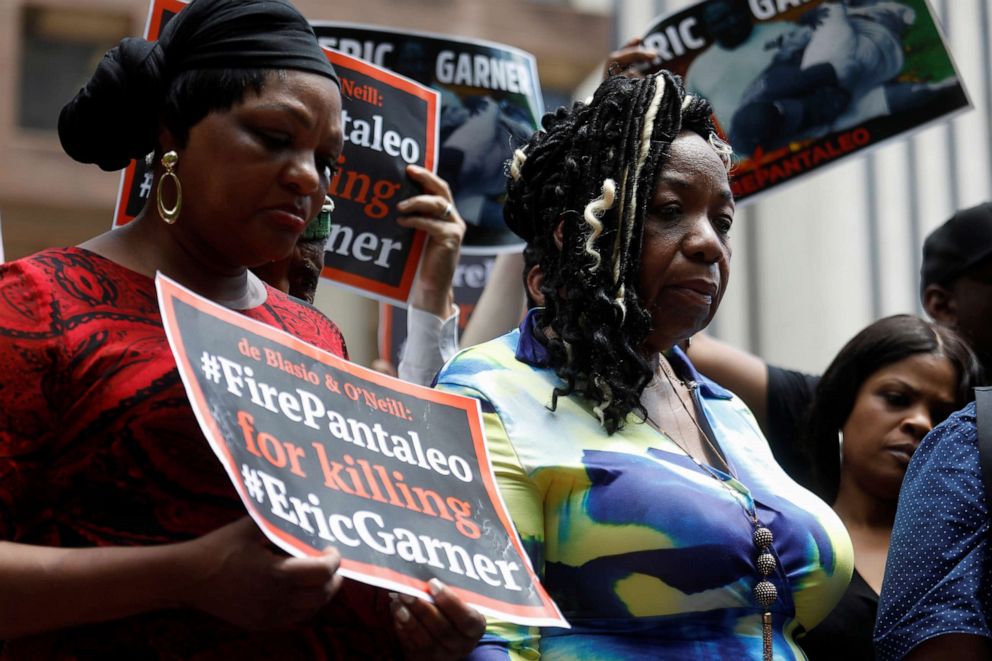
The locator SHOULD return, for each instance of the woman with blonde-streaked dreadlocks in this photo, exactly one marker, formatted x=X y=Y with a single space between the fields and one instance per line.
x=644 y=493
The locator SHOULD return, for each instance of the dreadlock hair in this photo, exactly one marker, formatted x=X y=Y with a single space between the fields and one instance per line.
x=577 y=192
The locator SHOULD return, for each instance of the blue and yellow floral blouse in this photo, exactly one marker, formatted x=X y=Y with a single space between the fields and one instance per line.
x=646 y=555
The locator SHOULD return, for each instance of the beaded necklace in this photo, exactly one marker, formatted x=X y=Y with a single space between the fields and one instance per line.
x=765 y=592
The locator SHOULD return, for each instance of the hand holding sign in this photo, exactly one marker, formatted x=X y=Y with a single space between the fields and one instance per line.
x=633 y=59
x=446 y=629
x=239 y=578
x=435 y=213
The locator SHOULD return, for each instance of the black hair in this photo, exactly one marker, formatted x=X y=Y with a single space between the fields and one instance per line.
x=116 y=117
x=884 y=342
x=193 y=95
x=592 y=170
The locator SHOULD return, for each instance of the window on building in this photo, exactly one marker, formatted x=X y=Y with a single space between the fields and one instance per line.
x=59 y=50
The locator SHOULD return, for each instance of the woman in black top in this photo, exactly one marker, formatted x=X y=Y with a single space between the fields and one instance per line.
x=849 y=435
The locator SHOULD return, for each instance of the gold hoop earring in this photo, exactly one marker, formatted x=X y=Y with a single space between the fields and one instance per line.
x=170 y=216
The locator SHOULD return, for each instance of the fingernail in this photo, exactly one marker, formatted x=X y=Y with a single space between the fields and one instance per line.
x=435 y=586
x=406 y=599
x=402 y=614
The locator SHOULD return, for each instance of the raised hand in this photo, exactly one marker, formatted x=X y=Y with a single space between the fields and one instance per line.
x=434 y=212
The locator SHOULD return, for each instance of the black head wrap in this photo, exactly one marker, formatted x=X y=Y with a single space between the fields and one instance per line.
x=115 y=117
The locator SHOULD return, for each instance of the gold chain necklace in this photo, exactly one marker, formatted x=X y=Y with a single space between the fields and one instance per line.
x=765 y=592
x=670 y=375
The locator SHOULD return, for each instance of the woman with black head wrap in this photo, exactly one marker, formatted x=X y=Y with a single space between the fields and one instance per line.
x=120 y=534
x=645 y=494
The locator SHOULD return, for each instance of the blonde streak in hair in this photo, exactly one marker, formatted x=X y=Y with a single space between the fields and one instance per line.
x=621 y=214
x=627 y=224
x=519 y=158
x=648 y=129
x=593 y=212
x=621 y=303
x=618 y=300
x=723 y=150
x=600 y=409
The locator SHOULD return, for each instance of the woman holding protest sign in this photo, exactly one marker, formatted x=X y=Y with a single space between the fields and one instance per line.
x=432 y=318
x=645 y=494
x=121 y=535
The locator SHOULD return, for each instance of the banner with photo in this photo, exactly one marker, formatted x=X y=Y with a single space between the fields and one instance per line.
x=490 y=103
x=797 y=86
x=471 y=276
x=389 y=122
x=324 y=452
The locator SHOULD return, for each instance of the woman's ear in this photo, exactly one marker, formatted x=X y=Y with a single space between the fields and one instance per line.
x=559 y=235
x=534 y=280
x=166 y=141
x=940 y=304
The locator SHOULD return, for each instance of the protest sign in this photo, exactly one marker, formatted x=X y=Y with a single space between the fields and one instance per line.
x=471 y=276
x=490 y=103
x=799 y=85
x=326 y=453
x=389 y=122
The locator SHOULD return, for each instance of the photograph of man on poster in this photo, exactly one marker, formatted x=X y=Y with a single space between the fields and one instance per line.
x=796 y=87
x=478 y=135
x=490 y=103
x=834 y=70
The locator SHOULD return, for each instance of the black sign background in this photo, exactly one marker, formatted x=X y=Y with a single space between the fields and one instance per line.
x=371 y=181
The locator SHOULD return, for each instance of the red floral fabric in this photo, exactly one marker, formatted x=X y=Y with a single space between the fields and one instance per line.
x=99 y=447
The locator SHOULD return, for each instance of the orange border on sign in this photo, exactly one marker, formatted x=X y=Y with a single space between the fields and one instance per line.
x=121 y=217
x=169 y=292
x=386 y=312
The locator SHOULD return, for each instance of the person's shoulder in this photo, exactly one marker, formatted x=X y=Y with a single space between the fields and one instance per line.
x=945 y=462
x=30 y=283
x=965 y=418
x=498 y=354
x=950 y=442
x=302 y=320
x=791 y=385
x=37 y=265
x=73 y=270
